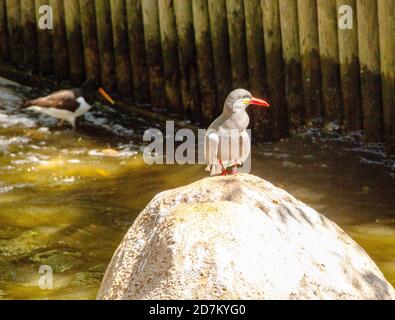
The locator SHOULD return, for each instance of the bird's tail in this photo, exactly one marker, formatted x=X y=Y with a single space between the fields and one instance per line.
x=56 y=113
x=26 y=104
x=34 y=108
x=38 y=109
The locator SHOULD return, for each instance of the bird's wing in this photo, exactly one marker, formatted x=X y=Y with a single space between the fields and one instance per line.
x=63 y=99
x=211 y=147
x=245 y=146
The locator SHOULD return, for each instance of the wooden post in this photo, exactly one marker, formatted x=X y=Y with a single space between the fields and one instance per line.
x=256 y=67
x=204 y=59
x=187 y=56
x=275 y=68
x=28 y=21
x=121 y=47
x=291 y=55
x=137 y=51
x=386 y=10
x=220 y=48
x=349 y=71
x=60 y=52
x=329 y=53
x=106 y=44
x=237 y=43
x=154 y=52
x=44 y=39
x=255 y=47
x=310 y=58
x=74 y=41
x=3 y=32
x=170 y=55
x=15 y=40
x=89 y=39
x=369 y=57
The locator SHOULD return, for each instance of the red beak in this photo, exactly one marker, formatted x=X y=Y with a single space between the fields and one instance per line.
x=260 y=102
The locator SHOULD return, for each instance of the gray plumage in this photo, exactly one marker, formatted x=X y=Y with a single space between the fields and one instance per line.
x=227 y=140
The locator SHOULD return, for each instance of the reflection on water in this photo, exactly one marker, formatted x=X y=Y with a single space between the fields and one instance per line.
x=66 y=200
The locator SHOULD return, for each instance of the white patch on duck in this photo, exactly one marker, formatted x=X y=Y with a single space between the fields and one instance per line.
x=65 y=115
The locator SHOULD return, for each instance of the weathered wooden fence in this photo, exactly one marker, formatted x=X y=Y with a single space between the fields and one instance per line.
x=187 y=55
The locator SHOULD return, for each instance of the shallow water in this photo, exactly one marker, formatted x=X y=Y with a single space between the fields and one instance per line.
x=66 y=200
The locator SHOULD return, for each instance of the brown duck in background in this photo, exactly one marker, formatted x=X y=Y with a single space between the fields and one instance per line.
x=69 y=104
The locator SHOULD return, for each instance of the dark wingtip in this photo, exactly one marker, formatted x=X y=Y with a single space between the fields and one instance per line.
x=26 y=104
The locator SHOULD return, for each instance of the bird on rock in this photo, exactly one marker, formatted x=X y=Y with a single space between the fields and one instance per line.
x=69 y=104
x=227 y=142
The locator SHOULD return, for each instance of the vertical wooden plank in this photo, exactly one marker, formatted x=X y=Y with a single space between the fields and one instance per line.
x=369 y=57
x=329 y=53
x=89 y=39
x=386 y=10
x=204 y=59
x=256 y=66
x=170 y=55
x=28 y=21
x=255 y=47
x=237 y=43
x=74 y=41
x=291 y=55
x=187 y=59
x=105 y=44
x=15 y=40
x=121 y=47
x=44 y=39
x=137 y=51
x=275 y=68
x=3 y=32
x=154 y=52
x=60 y=51
x=310 y=58
x=349 y=72
x=220 y=48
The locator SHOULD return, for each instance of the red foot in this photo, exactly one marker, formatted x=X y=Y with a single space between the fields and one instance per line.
x=224 y=173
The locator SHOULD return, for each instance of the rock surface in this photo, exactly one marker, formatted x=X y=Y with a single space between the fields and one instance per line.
x=238 y=237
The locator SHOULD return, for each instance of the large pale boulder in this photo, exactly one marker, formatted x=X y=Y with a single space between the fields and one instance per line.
x=238 y=237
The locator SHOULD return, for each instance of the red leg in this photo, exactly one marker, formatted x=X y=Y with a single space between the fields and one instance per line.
x=224 y=173
x=234 y=169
